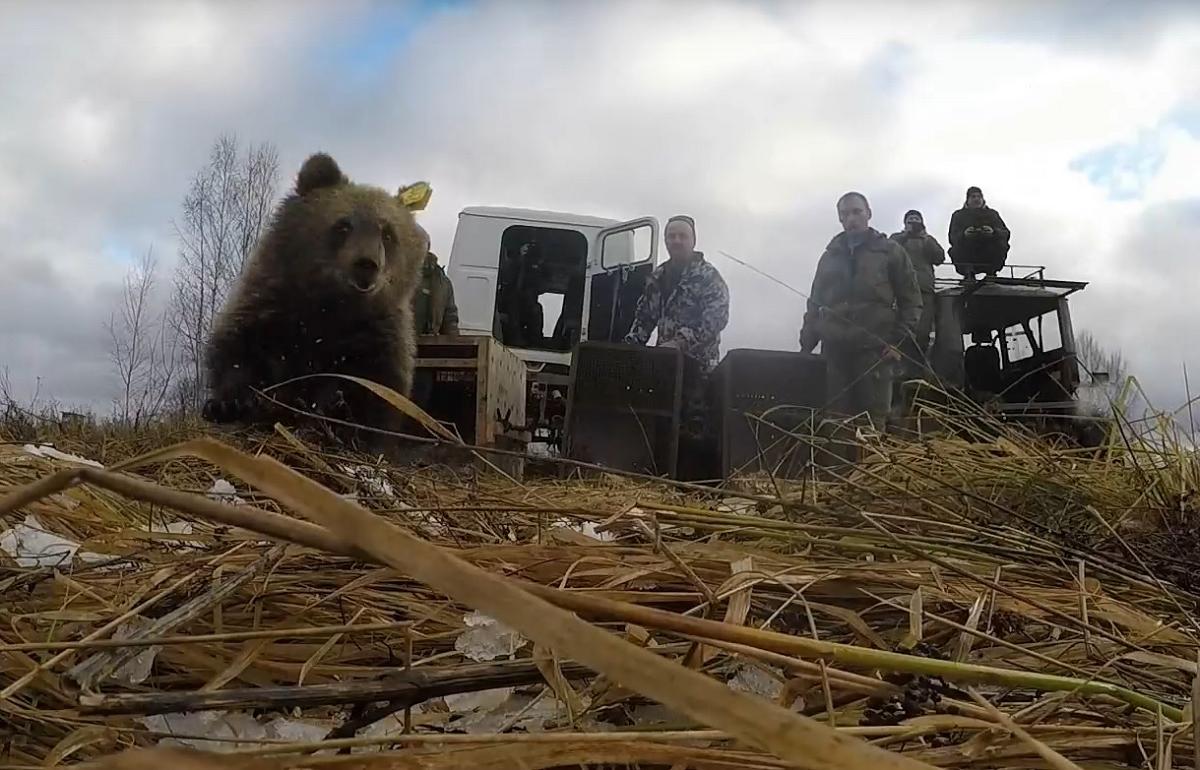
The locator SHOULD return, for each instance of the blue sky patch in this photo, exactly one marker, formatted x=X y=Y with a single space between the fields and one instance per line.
x=1124 y=169
x=378 y=37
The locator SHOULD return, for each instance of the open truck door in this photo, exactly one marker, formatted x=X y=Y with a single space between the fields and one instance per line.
x=628 y=253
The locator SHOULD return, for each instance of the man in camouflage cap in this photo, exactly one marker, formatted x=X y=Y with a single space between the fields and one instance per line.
x=865 y=301
x=687 y=300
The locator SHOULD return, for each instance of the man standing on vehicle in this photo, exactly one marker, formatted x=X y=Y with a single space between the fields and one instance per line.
x=924 y=252
x=865 y=301
x=978 y=237
x=687 y=300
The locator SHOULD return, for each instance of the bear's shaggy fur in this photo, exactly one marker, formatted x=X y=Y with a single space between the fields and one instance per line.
x=328 y=289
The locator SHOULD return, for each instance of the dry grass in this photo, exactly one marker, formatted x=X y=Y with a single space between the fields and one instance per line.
x=1039 y=578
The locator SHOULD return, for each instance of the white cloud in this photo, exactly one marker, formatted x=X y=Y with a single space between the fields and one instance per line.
x=752 y=117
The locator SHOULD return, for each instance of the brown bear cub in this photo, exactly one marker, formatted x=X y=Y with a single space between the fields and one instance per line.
x=328 y=289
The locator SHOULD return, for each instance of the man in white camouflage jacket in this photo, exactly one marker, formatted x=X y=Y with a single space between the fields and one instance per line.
x=687 y=300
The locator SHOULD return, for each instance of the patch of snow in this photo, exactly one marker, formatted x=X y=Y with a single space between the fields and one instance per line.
x=584 y=528
x=487 y=639
x=177 y=528
x=389 y=725
x=653 y=714
x=297 y=730
x=223 y=491
x=467 y=702
x=225 y=731
x=589 y=528
x=50 y=453
x=763 y=681
x=374 y=482
x=541 y=450
x=137 y=670
x=736 y=505
x=30 y=545
x=519 y=711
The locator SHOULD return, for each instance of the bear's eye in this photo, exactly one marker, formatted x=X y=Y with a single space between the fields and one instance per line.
x=342 y=227
x=389 y=235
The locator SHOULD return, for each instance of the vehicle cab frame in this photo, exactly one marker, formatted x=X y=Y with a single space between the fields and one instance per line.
x=1008 y=340
x=540 y=282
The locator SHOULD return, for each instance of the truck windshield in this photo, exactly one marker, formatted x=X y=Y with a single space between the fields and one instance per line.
x=539 y=294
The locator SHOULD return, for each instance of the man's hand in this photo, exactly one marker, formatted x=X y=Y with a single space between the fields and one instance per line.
x=987 y=230
x=890 y=353
x=970 y=232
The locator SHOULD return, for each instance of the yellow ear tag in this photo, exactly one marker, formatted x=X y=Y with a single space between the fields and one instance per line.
x=415 y=197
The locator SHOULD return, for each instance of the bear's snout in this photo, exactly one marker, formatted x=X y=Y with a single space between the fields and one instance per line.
x=364 y=272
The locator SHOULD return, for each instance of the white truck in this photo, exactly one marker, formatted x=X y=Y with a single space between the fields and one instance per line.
x=538 y=282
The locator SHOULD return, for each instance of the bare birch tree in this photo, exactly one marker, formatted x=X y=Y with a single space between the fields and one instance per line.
x=144 y=348
x=1095 y=359
x=224 y=212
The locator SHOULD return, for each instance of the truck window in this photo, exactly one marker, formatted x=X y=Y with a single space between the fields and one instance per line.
x=1019 y=347
x=539 y=291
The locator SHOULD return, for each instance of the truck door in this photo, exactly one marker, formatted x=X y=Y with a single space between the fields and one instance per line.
x=627 y=254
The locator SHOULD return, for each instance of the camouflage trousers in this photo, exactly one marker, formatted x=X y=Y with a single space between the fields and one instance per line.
x=859 y=384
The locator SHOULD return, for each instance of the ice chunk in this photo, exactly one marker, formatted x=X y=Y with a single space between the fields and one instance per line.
x=487 y=639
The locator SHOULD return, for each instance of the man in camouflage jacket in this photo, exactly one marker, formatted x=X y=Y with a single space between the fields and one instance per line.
x=865 y=301
x=688 y=301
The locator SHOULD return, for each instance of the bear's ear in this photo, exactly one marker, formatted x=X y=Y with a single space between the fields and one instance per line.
x=320 y=170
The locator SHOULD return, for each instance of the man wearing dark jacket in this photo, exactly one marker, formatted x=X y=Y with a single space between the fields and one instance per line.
x=435 y=311
x=978 y=237
x=865 y=301
x=925 y=253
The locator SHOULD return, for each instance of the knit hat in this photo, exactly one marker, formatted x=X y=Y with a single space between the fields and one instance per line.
x=683 y=218
x=973 y=189
x=912 y=212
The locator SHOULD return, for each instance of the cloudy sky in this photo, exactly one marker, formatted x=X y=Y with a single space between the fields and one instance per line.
x=1081 y=122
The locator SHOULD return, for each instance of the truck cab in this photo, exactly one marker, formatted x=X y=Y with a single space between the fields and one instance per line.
x=541 y=281
x=1008 y=340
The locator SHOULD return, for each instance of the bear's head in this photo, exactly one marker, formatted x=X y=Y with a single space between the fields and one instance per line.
x=348 y=238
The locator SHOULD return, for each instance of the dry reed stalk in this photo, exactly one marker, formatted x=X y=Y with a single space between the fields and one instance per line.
x=956 y=521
